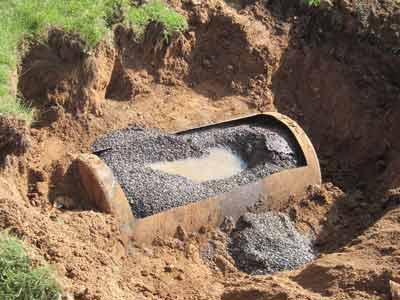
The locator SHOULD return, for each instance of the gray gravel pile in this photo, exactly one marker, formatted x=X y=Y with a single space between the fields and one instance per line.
x=268 y=243
x=128 y=152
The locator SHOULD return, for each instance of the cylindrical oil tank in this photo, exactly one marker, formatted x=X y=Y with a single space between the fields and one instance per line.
x=271 y=192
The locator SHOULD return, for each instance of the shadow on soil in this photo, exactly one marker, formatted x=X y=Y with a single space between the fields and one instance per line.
x=343 y=90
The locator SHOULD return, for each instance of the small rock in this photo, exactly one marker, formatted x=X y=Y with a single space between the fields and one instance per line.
x=203 y=230
x=67 y=296
x=381 y=165
x=207 y=63
x=357 y=135
x=42 y=188
x=144 y=273
x=223 y=264
x=64 y=202
x=193 y=2
x=227 y=225
x=38 y=175
x=181 y=233
x=316 y=194
x=395 y=290
x=54 y=113
x=326 y=4
x=169 y=268
x=14 y=136
x=391 y=198
x=180 y=277
x=191 y=252
x=148 y=252
x=82 y=294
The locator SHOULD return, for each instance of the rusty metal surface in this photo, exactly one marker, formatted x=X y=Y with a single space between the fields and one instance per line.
x=272 y=191
x=104 y=192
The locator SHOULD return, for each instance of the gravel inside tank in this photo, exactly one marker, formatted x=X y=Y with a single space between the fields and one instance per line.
x=128 y=152
x=267 y=243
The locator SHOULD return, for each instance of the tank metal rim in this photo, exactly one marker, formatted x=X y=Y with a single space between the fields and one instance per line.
x=105 y=193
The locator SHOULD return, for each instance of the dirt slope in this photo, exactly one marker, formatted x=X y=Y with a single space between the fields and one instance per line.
x=333 y=69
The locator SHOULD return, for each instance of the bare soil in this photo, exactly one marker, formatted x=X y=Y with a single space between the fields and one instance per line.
x=334 y=69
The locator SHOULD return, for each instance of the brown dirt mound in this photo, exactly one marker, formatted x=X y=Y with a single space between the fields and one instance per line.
x=14 y=137
x=62 y=74
x=223 y=55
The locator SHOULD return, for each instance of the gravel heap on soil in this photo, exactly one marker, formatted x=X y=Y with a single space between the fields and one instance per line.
x=268 y=243
x=128 y=152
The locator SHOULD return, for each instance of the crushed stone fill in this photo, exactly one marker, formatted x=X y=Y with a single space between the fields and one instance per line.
x=129 y=152
x=267 y=243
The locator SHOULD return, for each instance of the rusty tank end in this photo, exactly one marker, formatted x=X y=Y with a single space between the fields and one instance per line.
x=105 y=193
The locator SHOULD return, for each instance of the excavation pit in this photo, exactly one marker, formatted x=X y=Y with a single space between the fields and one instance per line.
x=197 y=177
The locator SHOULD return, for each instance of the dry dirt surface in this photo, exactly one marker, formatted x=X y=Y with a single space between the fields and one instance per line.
x=334 y=69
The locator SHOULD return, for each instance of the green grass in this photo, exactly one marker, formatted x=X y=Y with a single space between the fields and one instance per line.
x=16 y=107
x=18 y=279
x=30 y=19
x=156 y=11
x=24 y=20
x=313 y=2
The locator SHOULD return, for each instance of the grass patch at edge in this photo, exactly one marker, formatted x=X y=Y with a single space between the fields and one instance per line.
x=16 y=107
x=18 y=279
x=156 y=11
x=24 y=20
x=312 y=2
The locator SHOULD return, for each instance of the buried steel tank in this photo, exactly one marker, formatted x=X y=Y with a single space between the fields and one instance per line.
x=108 y=194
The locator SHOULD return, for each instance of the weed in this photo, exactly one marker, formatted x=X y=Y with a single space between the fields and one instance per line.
x=18 y=280
x=395 y=51
x=313 y=2
x=156 y=11
x=15 y=107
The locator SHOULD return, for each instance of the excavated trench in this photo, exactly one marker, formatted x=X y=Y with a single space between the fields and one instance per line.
x=159 y=171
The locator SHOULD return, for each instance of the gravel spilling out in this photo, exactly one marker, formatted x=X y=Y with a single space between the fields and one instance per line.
x=128 y=152
x=267 y=243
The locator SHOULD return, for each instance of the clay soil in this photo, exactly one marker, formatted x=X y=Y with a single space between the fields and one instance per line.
x=334 y=69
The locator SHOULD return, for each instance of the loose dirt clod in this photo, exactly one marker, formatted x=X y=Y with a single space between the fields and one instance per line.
x=395 y=290
x=128 y=152
x=268 y=243
x=14 y=137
